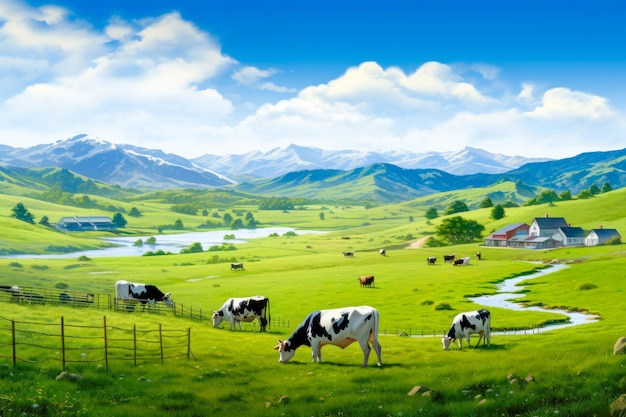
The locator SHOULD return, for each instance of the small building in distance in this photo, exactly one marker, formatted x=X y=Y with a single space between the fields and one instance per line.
x=601 y=236
x=502 y=236
x=86 y=223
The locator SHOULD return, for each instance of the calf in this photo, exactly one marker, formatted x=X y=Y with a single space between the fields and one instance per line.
x=431 y=260
x=340 y=327
x=465 y=324
x=236 y=310
x=366 y=280
x=383 y=252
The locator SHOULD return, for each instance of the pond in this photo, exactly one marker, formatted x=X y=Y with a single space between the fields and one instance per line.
x=507 y=291
x=170 y=243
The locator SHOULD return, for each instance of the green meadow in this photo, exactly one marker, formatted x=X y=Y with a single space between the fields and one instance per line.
x=563 y=372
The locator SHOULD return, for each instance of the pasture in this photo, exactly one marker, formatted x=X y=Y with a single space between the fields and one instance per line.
x=565 y=372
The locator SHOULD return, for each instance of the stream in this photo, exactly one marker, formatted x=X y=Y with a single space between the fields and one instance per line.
x=507 y=290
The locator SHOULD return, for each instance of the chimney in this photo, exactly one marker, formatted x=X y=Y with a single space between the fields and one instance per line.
x=546 y=215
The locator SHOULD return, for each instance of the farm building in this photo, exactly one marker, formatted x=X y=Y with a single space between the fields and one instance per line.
x=82 y=224
x=601 y=236
x=570 y=236
x=501 y=236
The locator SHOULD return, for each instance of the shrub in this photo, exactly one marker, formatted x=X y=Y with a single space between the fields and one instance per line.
x=587 y=286
x=61 y=285
x=443 y=306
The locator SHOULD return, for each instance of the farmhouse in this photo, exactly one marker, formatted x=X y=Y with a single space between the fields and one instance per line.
x=82 y=224
x=547 y=232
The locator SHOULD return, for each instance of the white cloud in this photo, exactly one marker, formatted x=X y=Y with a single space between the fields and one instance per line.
x=564 y=103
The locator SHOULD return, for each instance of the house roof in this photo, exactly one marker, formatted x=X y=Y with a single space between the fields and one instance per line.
x=508 y=228
x=550 y=222
x=573 y=231
x=86 y=219
x=606 y=233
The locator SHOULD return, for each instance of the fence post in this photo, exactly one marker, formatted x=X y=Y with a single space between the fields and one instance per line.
x=106 y=345
x=161 y=342
x=14 y=343
x=188 y=342
x=135 y=344
x=63 y=343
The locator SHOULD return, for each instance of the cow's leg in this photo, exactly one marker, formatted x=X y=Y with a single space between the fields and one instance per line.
x=263 y=323
x=316 y=352
x=481 y=334
x=488 y=336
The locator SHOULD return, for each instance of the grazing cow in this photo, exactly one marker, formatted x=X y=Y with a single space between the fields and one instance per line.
x=236 y=266
x=461 y=261
x=449 y=258
x=13 y=289
x=236 y=310
x=431 y=260
x=339 y=327
x=464 y=324
x=382 y=252
x=478 y=255
x=366 y=280
x=76 y=300
x=348 y=254
x=141 y=293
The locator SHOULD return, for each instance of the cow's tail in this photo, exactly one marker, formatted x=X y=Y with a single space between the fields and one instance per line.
x=269 y=316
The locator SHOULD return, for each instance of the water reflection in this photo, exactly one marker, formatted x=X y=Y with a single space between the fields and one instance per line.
x=171 y=243
x=506 y=292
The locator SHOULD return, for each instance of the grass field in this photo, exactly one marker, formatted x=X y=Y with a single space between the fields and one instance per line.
x=566 y=372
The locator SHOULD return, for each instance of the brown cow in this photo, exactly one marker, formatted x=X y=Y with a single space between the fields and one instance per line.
x=366 y=280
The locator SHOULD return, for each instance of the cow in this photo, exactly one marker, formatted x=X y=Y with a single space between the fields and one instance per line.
x=236 y=310
x=431 y=260
x=76 y=300
x=348 y=254
x=449 y=258
x=235 y=266
x=339 y=327
x=461 y=261
x=383 y=252
x=478 y=255
x=141 y=293
x=464 y=324
x=366 y=280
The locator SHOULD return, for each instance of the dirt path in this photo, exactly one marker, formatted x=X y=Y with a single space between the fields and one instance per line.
x=418 y=243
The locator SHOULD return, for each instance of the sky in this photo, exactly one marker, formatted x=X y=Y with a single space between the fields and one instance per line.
x=533 y=78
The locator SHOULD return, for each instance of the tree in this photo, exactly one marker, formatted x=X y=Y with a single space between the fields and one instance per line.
x=457 y=230
x=486 y=203
x=431 y=213
x=565 y=195
x=195 y=247
x=456 y=207
x=45 y=221
x=205 y=212
x=606 y=187
x=178 y=224
x=21 y=213
x=227 y=218
x=584 y=194
x=497 y=212
x=594 y=189
x=119 y=220
x=236 y=224
x=134 y=212
x=546 y=196
x=322 y=217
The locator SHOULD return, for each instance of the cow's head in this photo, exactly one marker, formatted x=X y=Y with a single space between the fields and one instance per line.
x=285 y=351
x=446 y=341
x=217 y=317
x=167 y=299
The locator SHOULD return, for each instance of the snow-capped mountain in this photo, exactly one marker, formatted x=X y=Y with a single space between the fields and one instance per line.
x=125 y=165
x=280 y=161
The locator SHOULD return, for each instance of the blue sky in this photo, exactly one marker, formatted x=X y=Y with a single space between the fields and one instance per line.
x=533 y=78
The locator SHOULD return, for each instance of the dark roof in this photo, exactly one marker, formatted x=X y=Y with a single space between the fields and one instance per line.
x=606 y=233
x=550 y=222
x=573 y=231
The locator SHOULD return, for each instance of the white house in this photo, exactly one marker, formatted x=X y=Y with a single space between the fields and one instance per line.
x=570 y=236
x=546 y=226
x=601 y=236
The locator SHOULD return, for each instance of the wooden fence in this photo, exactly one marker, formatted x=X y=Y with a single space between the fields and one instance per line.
x=21 y=341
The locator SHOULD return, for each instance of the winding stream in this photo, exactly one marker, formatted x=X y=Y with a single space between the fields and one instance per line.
x=507 y=291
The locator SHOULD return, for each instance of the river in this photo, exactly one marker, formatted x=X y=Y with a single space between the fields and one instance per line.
x=125 y=246
x=507 y=291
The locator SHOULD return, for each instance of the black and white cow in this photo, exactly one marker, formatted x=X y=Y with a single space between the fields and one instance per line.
x=383 y=252
x=236 y=310
x=449 y=258
x=461 y=261
x=141 y=293
x=465 y=324
x=238 y=265
x=348 y=254
x=431 y=260
x=339 y=327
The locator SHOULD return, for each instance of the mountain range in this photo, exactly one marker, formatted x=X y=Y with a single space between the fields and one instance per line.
x=297 y=171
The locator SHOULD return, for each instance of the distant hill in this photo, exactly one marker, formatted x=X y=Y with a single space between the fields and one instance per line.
x=124 y=165
x=280 y=161
x=386 y=183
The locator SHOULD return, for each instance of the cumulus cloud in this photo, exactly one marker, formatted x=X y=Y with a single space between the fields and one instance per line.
x=565 y=103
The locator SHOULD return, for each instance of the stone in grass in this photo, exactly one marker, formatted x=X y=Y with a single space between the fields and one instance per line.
x=68 y=376
x=620 y=346
x=426 y=392
x=618 y=407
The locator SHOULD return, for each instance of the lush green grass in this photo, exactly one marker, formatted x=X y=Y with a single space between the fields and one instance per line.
x=572 y=371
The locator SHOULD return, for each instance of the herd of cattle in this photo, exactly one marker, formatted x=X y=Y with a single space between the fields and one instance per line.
x=339 y=327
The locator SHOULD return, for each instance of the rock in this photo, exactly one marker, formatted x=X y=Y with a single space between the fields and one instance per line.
x=283 y=400
x=618 y=407
x=67 y=375
x=620 y=346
